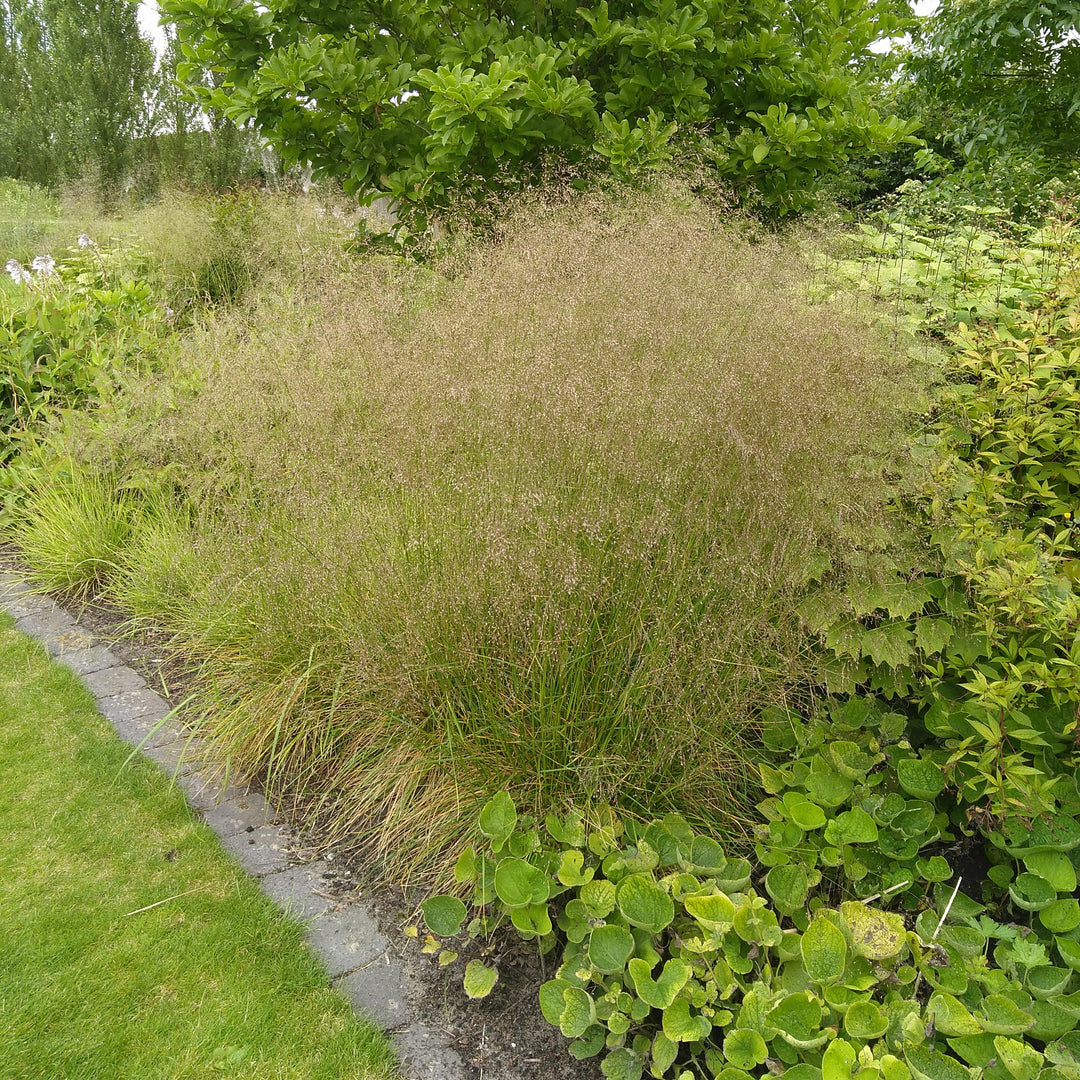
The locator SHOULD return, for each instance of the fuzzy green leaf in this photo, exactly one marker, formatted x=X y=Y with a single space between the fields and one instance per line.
x=609 y=948
x=877 y=935
x=745 y=1049
x=497 y=819
x=443 y=915
x=824 y=950
x=643 y=903
x=479 y=979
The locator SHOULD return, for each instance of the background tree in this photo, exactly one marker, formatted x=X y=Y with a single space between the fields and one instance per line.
x=994 y=74
x=409 y=97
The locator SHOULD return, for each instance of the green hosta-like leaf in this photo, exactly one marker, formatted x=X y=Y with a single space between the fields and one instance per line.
x=1048 y=983
x=571 y=870
x=578 y=1013
x=574 y=921
x=1050 y=1021
x=865 y=1021
x=465 y=867
x=854 y=826
x=1069 y=951
x=589 y=1043
x=920 y=779
x=806 y=814
x=1061 y=916
x=443 y=915
x=838 y=1060
x=680 y=1025
x=787 y=885
x=1032 y=892
x=826 y=786
x=927 y=1064
x=706 y=856
x=716 y=911
x=745 y=1049
x=662 y=1055
x=479 y=979
x=1055 y=867
x=519 y=884
x=610 y=947
x=661 y=992
x=1022 y=1061
x=598 y=896
x=552 y=1001
x=877 y=935
x=936 y=868
x=621 y=1064
x=569 y=830
x=1002 y=1016
x=643 y=903
x=797 y=1017
x=531 y=921
x=734 y=876
x=951 y=1016
x=497 y=819
x=849 y=759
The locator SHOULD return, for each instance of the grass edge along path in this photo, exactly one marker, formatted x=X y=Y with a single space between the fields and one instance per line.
x=100 y=979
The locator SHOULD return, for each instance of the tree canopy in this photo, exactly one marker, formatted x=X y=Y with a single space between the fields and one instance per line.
x=407 y=97
x=1002 y=73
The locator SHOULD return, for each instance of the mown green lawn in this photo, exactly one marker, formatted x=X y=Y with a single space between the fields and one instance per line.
x=213 y=983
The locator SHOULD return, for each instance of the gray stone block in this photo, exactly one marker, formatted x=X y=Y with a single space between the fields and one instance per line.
x=113 y=681
x=297 y=890
x=46 y=624
x=240 y=814
x=76 y=640
x=177 y=756
x=380 y=991
x=204 y=789
x=85 y=661
x=426 y=1054
x=260 y=852
x=13 y=585
x=132 y=705
x=346 y=939
x=20 y=605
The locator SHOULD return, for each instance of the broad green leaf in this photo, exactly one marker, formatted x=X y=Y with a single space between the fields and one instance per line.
x=854 y=826
x=927 y=1064
x=1001 y=1016
x=951 y=1016
x=734 y=876
x=1022 y=1061
x=518 y=883
x=745 y=1049
x=589 y=1043
x=838 y=1060
x=865 y=1021
x=579 y=1012
x=797 y=1017
x=497 y=819
x=1069 y=951
x=680 y=1025
x=643 y=903
x=877 y=935
x=662 y=1055
x=621 y=1064
x=825 y=786
x=1055 y=867
x=660 y=992
x=552 y=1001
x=570 y=870
x=890 y=644
x=570 y=830
x=465 y=867
x=479 y=979
x=824 y=950
x=610 y=947
x=531 y=921
x=1061 y=916
x=787 y=885
x=806 y=814
x=932 y=634
x=715 y=911
x=920 y=778
x=1032 y=892
x=598 y=896
x=443 y=915
x=1048 y=983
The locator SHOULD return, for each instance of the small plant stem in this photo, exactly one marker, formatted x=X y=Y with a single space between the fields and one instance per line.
x=139 y=911
x=945 y=913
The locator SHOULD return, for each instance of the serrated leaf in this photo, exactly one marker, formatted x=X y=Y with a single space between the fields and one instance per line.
x=890 y=645
x=932 y=634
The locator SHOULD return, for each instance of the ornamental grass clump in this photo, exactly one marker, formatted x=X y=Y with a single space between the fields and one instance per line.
x=535 y=521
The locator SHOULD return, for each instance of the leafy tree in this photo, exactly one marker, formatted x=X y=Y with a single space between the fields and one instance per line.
x=75 y=88
x=408 y=97
x=993 y=74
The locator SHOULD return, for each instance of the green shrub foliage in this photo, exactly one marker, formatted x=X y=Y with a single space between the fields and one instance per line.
x=406 y=99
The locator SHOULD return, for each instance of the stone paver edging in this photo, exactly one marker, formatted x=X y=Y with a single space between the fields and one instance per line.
x=357 y=955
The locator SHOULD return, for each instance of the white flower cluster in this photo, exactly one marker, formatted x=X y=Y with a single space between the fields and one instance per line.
x=43 y=265
x=19 y=274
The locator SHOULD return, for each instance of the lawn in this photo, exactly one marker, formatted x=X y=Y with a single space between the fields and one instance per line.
x=131 y=944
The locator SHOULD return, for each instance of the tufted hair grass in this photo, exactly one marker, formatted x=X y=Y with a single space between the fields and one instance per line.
x=535 y=518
